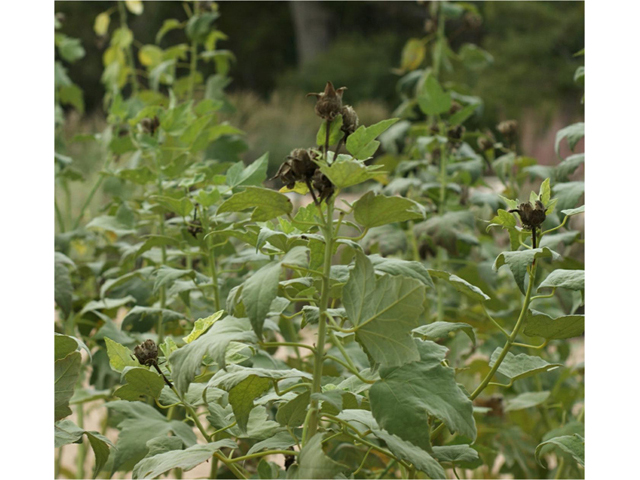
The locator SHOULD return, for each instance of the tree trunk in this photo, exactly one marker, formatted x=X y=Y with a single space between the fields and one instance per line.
x=312 y=23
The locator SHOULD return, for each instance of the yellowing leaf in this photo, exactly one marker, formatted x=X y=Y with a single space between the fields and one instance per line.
x=134 y=6
x=300 y=187
x=101 y=25
x=202 y=325
x=412 y=54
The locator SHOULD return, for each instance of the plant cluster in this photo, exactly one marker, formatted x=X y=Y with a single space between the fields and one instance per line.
x=223 y=326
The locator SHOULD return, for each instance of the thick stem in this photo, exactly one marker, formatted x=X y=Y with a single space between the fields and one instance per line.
x=86 y=203
x=312 y=426
x=82 y=449
x=163 y=289
x=209 y=253
x=192 y=68
x=59 y=218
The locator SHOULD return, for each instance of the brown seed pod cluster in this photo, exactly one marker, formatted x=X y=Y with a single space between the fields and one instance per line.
x=455 y=107
x=329 y=102
x=194 y=228
x=531 y=216
x=485 y=144
x=150 y=125
x=300 y=167
x=147 y=353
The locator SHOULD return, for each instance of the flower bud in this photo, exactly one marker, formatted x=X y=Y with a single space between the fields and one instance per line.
x=508 y=128
x=349 y=120
x=147 y=352
x=329 y=103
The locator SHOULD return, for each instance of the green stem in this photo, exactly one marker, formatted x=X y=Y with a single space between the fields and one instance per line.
x=163 y=248
x=352 y=370
x=86 y=203
x=413 y=241
x=82 y=449
x=129 y=51
x=56 y=472
x=507 y=346
x=59 y=218
x=208 y=251
x=312 y=426
x=192 y=68
x=383 y=474
x=287 y=344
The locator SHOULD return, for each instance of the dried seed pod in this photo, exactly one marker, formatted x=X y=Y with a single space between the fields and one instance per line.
x=485 y=144
x=195 y=227
x=150 y=125
x=455 y=107
x=147 y=353
x=472 y=21
x=494 y=402
x=508 y=128
x=532 y=217
x=301 y=165
x=289 y=459
x=323 y=185
x=434 y=128
x=286 y=175
x=455 y=133
x=349 y=120
x=329 y=103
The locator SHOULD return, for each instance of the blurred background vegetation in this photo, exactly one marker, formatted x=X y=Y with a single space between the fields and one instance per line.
x=284 y=50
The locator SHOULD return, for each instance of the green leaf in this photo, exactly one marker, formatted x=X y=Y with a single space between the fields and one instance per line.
x=202 y=325
x=526 y=400
x=167 y=26
x=119 y=356
x=314 y=464
x=199 y=26
x=433 y=100
x=362 y=143
x=542 y=325
x=180 y=206
x=280 y=441
x=259 y=290
x=573 y=211
x=345 y=171
x=140 y=382
x=519 y=366
x=568 y=194
x=571 y=444
x=335 y=132
x=573 y=134
x=138 y=424
x=384 y=311
x=254 y=174
x=520 y=260
x=246 y=384
x=459 y=455
x=406 y=450
x=569 y=165
x=438 y=330
x=67 y=371
x=569 y=279
x=396 y=266
x=68 y=432
x=404 y=397
x=268 y=204
x=545 y=191
x=140 y=176
x=156 y=465
x=187 y=360
x=461 y=115
x=293 y=413
x=70 y=49
x=63 y=288
x=461 y=285
x=64 y=345
x=375 y=210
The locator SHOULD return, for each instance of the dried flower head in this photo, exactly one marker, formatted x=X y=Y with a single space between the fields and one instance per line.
x=323 y=185
x=455 y=107
x=150 y=125
x=485 y=143
x=349 y=120
x=195 y=227
x=147 y=352
x=455 y=133
x=531 y=216
x=508 y=128
x=329 y=103
x=301 y=164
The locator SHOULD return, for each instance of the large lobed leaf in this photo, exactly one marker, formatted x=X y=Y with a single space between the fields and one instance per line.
x=373 y=210
x=266 y=203
x=404 y=398
x=384 y=311
x=520 y=260
x=522 y=365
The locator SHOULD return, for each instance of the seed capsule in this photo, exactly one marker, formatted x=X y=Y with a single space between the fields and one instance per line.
x=349 y=120
x=323 y=185
x=532 y=217
x=329 y=102
x=508 y=128
x=147 y=352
